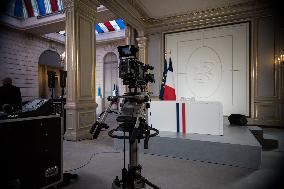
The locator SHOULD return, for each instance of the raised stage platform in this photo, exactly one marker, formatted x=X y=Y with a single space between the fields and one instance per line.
x=237 y=147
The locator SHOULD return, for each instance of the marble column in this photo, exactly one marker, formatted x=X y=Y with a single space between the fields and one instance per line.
x=80 y=60
x=143 y=49
x=130 y=35
x=143 y=52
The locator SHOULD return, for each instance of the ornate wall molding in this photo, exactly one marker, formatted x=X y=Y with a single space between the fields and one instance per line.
x=204 y=18
x=139 y=7
x=268 y=106
x=265 y=45
x=269 y=113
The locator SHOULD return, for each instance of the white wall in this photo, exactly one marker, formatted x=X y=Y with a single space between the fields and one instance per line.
x=19 y=55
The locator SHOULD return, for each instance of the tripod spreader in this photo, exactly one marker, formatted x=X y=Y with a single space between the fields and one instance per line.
x=145 y=135
x=128 y=177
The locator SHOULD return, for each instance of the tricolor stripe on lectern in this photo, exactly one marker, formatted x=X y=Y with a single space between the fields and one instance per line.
x=181 y=117
x=177 y=110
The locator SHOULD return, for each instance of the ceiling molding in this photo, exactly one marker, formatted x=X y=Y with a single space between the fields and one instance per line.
x=133 y=12
x=127 y=11
x=145 y=15
x=105 y=15
x=221 y=15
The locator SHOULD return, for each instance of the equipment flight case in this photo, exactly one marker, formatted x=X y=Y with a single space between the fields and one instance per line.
x=31 y=151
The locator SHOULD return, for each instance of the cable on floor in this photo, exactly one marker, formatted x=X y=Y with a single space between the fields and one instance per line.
x=89 y=161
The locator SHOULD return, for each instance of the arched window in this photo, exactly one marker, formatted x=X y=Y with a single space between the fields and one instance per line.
x=110 y=73
x=49 y=61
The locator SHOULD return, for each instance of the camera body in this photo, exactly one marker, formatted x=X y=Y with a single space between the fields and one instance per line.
x=133 y=72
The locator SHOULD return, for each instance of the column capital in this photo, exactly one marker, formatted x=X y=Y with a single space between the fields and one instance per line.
x=142 y=41
x=140 y=33
x=68 y=4
x=88 y=7
x=143 y=48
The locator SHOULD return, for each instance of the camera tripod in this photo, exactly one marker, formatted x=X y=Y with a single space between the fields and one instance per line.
x=133 y=122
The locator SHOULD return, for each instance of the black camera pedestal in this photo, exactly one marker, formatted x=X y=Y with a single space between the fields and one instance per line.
x=136 y=75
x=137 y=128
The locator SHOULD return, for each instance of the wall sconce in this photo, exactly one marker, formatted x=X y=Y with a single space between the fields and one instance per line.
x=167 y=52
x=62 y=57
x=280 y=60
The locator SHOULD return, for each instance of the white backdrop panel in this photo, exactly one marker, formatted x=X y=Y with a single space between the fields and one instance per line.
x=212 y=65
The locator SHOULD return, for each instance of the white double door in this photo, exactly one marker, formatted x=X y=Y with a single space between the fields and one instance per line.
x=213 y=65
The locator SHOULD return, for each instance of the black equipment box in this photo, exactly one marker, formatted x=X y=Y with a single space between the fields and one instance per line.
x=237 y=119
x=31 y=151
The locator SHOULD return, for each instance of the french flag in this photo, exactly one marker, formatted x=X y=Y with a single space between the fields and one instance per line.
x=169 y=91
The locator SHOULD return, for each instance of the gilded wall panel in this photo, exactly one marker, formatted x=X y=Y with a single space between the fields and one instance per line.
x=85 y=60
x=69 y=121
x=269 y=112
x=267 y=81
x=86 y=119
x=70 y=56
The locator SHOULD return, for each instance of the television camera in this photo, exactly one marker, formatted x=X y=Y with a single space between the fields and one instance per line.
x=133 y=117
x=133 y=72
